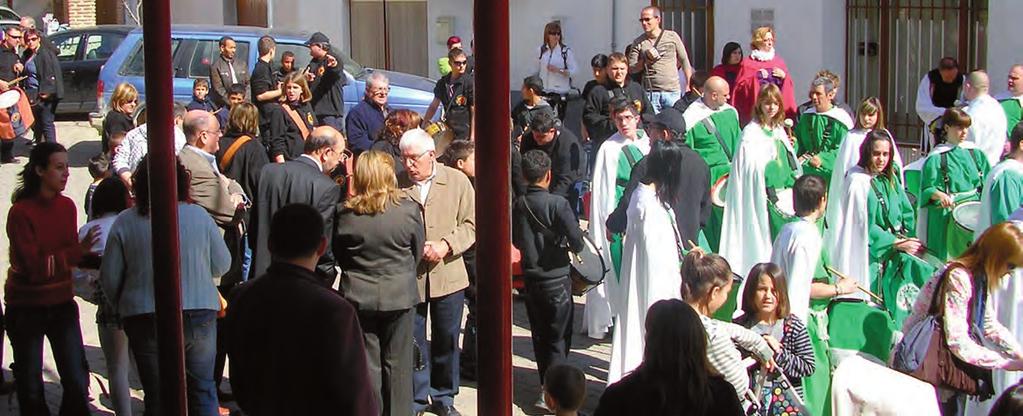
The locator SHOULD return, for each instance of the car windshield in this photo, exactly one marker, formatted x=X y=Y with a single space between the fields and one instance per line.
x=354 y=68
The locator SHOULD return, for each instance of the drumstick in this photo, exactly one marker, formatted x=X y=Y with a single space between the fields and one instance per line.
x=692 y=245
x=861 y=288
x=17 y=80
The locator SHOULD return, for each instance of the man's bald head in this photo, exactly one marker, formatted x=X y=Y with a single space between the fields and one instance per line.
x=1015 y=83
x=715 y=92
x=202 y=130
x=326 y=145
x=978 y=84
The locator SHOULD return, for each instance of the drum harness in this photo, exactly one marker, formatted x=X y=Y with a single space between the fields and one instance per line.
x=772 y=194
x=947 y=181
x=545 y=230
x=898 y=231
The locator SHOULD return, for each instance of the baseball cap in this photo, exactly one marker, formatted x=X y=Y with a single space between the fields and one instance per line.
x=453 y=40
x=317 y=37
x=670 y=118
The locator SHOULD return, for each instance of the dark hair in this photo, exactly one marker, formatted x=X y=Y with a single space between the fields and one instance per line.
x=99 y=165
x=598 y=61
x=535 y=164
x=223 y=40
x=701 y=273
x=111 y=196
x=454 y=53
x=867 y=147
x=295 y=231
x=1010 y=403
x=201 y=82
x=29 y=181
x=675 y=359
x=665 y=169
x=457 y=150
x=1016 y=136
x=807 y=193
x=236 y=89
x=265 y=44
x=620 y=105
x=543 y=122
x=777 y=276
x=287 y=54
x=140 y=181
x=566 y=384
x=948 y=62
x=534 y=83
x=951 y=117
x=699 y=78
x=726 y=52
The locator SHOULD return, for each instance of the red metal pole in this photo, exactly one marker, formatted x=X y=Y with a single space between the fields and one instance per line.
x=493 y=206
x=164 y=201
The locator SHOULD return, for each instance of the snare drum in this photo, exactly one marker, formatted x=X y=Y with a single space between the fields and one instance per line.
x=858 y=328
x=718 y=190
x=15 y=114
x=781 y=212
x=588 y=267
x=961 y=226
x=442 y=135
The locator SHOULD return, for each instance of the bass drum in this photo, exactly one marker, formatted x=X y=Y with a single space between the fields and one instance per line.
x=442 y=135
x=589 y=267
x=960 y=229
x=718 y=190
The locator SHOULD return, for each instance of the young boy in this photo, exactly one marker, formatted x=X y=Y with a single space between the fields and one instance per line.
x=287 y=65
x=200 y=96
x=532 y=104
x=541 y=224
x=99 y=169
x=461 y=155
x=564 y=390
x=235 y=96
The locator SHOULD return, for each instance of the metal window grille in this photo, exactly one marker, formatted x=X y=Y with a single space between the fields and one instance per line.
x=693 y=20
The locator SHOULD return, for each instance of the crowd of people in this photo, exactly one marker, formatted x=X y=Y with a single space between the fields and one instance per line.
x=762 y=257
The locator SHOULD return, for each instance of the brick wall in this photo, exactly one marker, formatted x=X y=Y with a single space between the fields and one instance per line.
x=81 y=12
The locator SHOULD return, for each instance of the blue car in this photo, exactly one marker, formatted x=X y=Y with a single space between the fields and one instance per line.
x=196 y=46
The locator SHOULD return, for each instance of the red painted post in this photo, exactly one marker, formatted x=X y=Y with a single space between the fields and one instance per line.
x=493 y=206
x=163 y=200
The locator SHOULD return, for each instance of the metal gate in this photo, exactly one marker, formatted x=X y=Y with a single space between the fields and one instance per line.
x=693 y=20
x=893 y=43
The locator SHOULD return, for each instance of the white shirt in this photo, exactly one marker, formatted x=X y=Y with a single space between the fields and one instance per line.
x=555 y=81
x=136 y=145
x=424 y=186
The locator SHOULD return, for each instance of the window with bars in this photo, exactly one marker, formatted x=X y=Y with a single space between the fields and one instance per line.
x=693 y=20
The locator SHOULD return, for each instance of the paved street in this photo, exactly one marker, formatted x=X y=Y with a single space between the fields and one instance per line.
x=83 y=142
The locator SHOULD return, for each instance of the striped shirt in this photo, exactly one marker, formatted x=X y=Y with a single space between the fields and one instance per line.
x=724 y=339
x=796 y=356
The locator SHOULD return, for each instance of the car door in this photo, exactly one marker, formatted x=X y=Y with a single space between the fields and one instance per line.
x=96 y=49
x=68 y=46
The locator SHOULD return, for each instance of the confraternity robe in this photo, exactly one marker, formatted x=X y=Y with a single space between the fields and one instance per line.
x=821 y=134
x=1013 y=108
x=714 y=135
x=750 y=80
x=987 y=131
x=849 y=156
x=955 y=171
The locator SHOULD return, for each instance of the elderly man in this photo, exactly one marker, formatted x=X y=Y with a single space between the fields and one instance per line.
x=306 y=180
x=938 y=91
x=225 y=71
x=136 y=145
x=560 y=144
x=326 y=77
x=988 y=130
x=713 y=132
x=222 y=197
x=1012 y=100
x=449 y=208
x=821 y=129
x=366 y=120
x=657 y=55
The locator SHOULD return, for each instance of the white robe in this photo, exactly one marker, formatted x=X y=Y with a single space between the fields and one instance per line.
x=597 y=316
x=847 y=233
x=746 y=228
x=849 y=155
x=862 y=387
x=987 y=132
x=650 y=272
x=797 y=250
x=926 y=110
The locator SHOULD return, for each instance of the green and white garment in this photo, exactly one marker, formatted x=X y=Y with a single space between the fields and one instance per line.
x=957 y=172
x=821 y=135
x=714 y=135
x=1013 y=107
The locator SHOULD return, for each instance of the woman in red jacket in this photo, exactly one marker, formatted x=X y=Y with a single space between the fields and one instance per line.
x=41 y=228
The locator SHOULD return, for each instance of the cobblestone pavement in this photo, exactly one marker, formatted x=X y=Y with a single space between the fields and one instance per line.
x=82 y=141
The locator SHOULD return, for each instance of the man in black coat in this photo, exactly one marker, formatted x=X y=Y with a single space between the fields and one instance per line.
x=326 y=77
x=302 y=180
x=296 y=345
x=567 y=166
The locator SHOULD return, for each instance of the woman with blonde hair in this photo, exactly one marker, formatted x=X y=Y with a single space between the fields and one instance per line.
x=396 y=124
x=761 y=68
x=291 y=120
x=378 y=243
x=123 y=103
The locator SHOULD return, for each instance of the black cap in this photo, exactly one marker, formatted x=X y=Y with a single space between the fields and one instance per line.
x=669 y=118
x=317 y=37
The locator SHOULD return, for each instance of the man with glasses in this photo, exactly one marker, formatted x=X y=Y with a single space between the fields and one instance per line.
x=455 y=92
x=656 y=56
x=366 y=120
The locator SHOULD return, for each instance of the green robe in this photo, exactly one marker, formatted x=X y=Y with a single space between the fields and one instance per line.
x=964 y=176
x=718 y=158
x=626 y=161
x=1013 y=112
x=820 y=135
x=780 y=173
x=817 y=387
x=1006 y=193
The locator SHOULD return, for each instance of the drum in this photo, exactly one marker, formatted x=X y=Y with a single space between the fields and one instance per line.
x=856 y=328
x=781 y=212
x=717 y=191
x=588 y=267
x=442 y=135
x=15 y=114
x=960 y=228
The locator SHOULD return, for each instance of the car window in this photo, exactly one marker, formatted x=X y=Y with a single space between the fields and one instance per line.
x=6 y=14
x=302 y=58
x=101 y=45
x=136 y=63
x=208 y=50
x=67 y=47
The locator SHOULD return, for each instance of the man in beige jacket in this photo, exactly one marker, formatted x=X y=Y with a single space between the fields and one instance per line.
x=449 y=207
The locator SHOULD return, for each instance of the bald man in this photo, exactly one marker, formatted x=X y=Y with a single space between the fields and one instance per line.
x=223 y=198
x=1012 y=100
x=713 y=132
x=988 y=130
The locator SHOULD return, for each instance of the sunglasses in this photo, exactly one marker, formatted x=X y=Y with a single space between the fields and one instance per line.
x=554 y=33
x=646 y=19
x=458 y=63
x=14 y=37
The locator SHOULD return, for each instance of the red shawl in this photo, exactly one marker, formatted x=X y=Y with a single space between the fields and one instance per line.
x=747 y=86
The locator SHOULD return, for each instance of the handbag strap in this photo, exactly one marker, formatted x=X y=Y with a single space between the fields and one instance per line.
x=299 y=123
x=225 y=161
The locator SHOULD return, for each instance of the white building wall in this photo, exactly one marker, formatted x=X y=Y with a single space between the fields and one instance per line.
x=1004 y=44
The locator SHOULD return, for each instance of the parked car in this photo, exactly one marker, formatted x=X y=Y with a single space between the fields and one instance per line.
x=194 y=47
x=82 y=52
x=9 y=17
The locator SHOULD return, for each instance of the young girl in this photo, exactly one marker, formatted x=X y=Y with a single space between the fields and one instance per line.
x=869 y=116
x=765 y=307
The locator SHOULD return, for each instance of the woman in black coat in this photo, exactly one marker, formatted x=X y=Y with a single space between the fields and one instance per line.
x=45 y=85
x=395 y=125
x=291 y=120
x=118 y=120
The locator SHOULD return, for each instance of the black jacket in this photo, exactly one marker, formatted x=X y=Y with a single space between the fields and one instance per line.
x=115 y=122
x=8 y=58
x=220 y=77
x=326 y=85
x=246 y=164
x=597 y=115
x=567 y=161
x=51 y=80
x=522 y=115
x=285 y=137
x=384 y=145
x=683 y=103
x=296 y=347
x=295 y=181
x=691 y=212
x=634 y=396
x=541 y=224
x=378 y=255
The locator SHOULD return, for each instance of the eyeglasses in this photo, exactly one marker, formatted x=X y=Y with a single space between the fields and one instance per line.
x=554 y=33
x=345 y=155
x=412 y=159
x=459 y=63
x=31 y=39
x=646 y=19
x=14 y=37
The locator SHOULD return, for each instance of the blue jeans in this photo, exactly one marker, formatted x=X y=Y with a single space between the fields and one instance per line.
x=662 y=99
x=200 y=330
x=44 y=128
x=246 y=257
x=26 y=327
x=438 y=379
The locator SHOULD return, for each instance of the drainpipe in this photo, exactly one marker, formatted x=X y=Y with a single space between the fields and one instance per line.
x=493 y=207
x=163 y=203
x=269 y=14
x=614 y=25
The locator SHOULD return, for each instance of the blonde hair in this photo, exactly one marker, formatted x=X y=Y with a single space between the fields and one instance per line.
x=243 y=119
x=297 y=77
x=870 y=106
x=760 y=36
x=376 y=187
x=993 y=253
x=769 y=93
x=123 y=94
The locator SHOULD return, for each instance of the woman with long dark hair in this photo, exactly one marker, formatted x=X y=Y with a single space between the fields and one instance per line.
x=675 y=377
x=42 y=229
x=731 y=57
